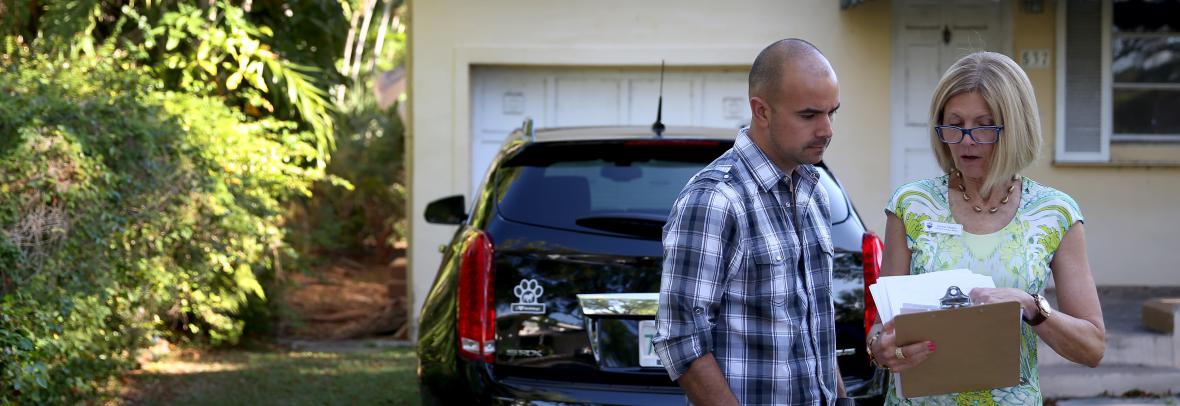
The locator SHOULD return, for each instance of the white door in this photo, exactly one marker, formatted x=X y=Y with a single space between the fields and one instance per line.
x=567 y=97
x=928 y=36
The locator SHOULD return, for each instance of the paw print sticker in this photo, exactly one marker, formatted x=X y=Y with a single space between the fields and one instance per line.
x=528 y=292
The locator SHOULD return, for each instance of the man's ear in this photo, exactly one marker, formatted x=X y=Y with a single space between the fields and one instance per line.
x=759 y=112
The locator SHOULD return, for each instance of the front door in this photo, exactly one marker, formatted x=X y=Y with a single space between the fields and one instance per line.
x=929 y=36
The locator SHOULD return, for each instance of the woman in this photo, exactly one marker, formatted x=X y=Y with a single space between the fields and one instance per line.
x=985 y=131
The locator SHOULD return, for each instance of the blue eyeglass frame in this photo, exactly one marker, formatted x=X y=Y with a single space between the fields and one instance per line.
x=967 y=133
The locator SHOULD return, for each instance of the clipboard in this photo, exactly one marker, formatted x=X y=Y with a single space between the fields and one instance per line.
x=978 y=347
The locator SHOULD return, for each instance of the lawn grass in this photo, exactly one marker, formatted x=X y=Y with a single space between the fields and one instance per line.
x=277 y=377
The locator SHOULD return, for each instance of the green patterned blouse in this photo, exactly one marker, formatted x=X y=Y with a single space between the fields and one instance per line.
x=1016 y=256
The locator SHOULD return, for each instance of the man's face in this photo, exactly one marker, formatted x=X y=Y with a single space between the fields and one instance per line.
x=798 y=117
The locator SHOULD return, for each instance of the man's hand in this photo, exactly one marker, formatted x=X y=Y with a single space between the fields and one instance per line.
x=704 y=384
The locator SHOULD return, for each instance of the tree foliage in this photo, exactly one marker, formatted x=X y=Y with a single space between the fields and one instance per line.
x=367 y=218
x=210 y=48
x=151 y=152
x=128 y=210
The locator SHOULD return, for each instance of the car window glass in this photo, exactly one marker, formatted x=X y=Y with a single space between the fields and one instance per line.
x=651 y=187
x=836 y=198
x=616 y=188
x=847 y=231
x=606 y=187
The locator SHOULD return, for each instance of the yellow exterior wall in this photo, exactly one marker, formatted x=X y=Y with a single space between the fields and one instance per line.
x=448 y=36
x=1130 y=209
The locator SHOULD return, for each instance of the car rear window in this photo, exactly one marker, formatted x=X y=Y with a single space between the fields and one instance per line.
x=616 y=187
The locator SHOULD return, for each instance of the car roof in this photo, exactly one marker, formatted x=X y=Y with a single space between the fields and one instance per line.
x=598 y=133
x=630 y=132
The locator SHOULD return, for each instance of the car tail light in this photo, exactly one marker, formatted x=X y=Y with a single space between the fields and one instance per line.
x=477 y=317
x=872 y=248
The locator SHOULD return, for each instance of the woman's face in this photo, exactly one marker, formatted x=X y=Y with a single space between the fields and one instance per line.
x=969 y=110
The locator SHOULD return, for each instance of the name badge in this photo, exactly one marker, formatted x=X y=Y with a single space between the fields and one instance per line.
x=942 y=228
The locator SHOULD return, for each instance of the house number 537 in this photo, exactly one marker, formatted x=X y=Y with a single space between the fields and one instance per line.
x=1034 y=58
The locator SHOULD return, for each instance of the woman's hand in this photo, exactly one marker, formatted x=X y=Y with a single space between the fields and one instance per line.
x=998 y=295
x=886 y=351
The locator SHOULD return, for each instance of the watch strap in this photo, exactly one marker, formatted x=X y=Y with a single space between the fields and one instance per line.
x=1038 y=316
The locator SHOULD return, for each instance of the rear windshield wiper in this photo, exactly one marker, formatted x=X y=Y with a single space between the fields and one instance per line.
x=642 y=225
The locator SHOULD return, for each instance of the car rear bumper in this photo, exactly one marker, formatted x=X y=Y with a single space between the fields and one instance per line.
x=481 y=385
x=523 y=391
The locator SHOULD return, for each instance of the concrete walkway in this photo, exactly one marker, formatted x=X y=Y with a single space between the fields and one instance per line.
x=1137 y=360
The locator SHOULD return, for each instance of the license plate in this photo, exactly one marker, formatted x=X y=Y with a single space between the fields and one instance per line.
x=647 y=350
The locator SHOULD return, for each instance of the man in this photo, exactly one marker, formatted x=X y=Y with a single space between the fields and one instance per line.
x=746 y=311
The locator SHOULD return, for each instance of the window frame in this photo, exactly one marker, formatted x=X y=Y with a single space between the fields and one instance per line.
x=1106 y=120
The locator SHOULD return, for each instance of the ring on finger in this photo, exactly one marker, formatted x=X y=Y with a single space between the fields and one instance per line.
x=897 y=353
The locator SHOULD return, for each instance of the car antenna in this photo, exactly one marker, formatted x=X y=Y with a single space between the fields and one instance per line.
x=658 y=126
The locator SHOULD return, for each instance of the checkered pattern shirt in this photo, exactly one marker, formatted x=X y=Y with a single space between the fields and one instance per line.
x=748 y=277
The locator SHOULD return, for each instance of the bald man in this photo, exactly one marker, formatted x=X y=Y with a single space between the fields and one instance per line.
x=746 y=313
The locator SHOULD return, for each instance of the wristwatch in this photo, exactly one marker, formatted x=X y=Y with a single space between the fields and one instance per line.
x=1043 y=310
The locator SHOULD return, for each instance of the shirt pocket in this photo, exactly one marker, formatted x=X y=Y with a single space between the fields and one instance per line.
x=826 y=262
x=768 y=281
x=825 y=244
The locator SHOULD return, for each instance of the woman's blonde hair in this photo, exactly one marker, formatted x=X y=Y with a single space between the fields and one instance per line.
x=1009 y=96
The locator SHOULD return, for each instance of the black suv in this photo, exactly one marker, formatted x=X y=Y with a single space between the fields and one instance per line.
x=547 y=292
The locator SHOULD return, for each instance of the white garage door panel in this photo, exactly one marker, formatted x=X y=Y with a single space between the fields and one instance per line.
x=726 y=102
x=583 y=102
x=502 y=98
x=643 y=99
x=506 y=100
x=483 y=151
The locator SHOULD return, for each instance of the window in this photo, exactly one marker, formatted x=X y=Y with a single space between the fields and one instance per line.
x=1145 y=68
x=1119 y=76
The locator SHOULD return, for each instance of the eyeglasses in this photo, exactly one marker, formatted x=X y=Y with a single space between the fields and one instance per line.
x=985 y=134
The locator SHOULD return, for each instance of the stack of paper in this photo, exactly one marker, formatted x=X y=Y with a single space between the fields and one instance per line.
x=895 y=295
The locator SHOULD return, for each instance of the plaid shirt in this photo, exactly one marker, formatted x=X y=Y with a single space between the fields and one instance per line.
x=747 y=282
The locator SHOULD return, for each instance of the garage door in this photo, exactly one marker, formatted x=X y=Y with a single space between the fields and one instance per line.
x=565 y=97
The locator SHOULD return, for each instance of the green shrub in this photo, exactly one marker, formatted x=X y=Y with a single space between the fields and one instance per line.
x=366 y=218
x=128 y=211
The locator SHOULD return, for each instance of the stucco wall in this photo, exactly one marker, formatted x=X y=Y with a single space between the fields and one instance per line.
x=1131 y=221
x=449 y=36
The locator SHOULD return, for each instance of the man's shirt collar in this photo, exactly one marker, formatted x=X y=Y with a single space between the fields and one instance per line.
x=765 y=172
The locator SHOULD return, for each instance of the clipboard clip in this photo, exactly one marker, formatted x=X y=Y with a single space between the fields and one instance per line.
x=954 y=298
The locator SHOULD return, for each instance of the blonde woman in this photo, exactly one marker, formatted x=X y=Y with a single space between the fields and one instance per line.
x=985 y=216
